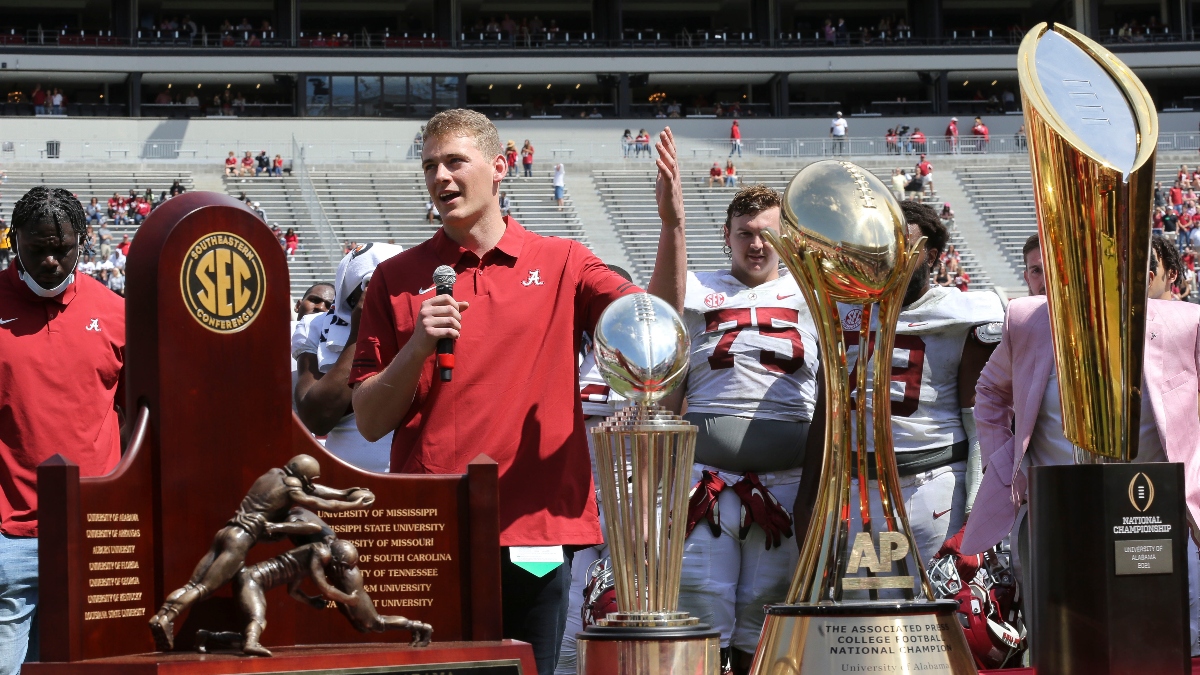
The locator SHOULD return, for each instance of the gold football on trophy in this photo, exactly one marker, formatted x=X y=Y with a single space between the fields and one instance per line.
x=849 y=218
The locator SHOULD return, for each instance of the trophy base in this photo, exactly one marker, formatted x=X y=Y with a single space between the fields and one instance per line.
x=649 y=644
x=1109 y=569
x=884 y=637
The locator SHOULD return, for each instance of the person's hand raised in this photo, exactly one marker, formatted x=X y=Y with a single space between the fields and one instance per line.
x=668 y=187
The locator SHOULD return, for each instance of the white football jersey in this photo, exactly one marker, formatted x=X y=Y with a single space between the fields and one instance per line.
x=930 y=335
x=598 y=398
x=754 y=350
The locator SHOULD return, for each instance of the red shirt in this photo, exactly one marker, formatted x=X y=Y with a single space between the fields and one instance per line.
x=230 y=161
x=735 y=132
x=952 y=130
x=1176 y=196
x=113 y=203
x=715 y=171
x=515 y=392
x=980 y=130
x=60 y=378
x=925 y=168
x=247 y=161
x=918 y=137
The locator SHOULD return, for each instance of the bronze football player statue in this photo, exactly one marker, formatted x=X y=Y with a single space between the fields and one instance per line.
x=344 y=573
x=262 y=515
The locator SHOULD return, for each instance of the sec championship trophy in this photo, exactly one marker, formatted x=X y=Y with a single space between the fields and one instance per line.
x=1108 y=537
x=859 y=601
x=644 y=463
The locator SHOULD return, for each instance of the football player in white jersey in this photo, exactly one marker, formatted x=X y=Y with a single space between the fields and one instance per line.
x=599 y=401
x=751 y=389
x=944 y=337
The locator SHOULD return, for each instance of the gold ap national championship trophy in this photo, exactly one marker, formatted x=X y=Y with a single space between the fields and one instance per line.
x=644 y=459
x=859 y=601
x=1108 y=536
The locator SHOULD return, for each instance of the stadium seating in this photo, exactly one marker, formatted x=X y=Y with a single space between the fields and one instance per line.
x=365 y=206
x=1003 y=196
x=99 y=184
x=628 y=196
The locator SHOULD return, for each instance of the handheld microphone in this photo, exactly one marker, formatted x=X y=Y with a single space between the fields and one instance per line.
x=443 y=278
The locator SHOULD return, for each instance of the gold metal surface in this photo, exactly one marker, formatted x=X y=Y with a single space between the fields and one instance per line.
x=920 y=643
x=644 y=459
x=843 y=239
x=1094 y=224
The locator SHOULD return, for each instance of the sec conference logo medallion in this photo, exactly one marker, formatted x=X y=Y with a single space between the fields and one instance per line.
x=223 y=282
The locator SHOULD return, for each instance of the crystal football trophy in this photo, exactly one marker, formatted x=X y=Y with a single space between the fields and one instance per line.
x=859 y=600
x=644 y=459
x=1108 y=537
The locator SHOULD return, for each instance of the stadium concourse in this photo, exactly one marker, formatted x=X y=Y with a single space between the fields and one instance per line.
x=609 y=206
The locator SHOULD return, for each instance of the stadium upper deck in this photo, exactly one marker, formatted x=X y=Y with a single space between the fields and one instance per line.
x=558 y=58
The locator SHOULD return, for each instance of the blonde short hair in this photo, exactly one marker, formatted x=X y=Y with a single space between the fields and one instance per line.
x=462 y=122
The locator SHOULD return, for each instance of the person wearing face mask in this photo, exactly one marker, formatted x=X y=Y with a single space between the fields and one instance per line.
x=1020 y=420
x=751 y=389
x=323 y=346
x=62 y=347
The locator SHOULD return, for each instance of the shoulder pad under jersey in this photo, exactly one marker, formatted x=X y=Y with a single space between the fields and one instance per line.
x=989 y=333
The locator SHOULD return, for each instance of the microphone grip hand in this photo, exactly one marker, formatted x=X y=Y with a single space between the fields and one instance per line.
x=445 y=346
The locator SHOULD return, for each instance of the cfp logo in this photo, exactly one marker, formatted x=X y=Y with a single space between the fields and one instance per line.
x=223 y=282
x=1141 y=492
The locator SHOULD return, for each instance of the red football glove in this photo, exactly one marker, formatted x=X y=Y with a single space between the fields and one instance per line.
x=703 y=503
x=967 y=565
x=760 y=506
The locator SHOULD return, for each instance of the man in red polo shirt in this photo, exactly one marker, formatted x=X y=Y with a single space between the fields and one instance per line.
x=520 y=305
x=62 y=346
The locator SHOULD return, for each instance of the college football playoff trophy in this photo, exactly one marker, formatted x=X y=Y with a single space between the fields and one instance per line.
x=859 y=600
x=644 y=459
x=1108 y=537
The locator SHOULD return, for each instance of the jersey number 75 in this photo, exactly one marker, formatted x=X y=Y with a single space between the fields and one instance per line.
x=733 y=321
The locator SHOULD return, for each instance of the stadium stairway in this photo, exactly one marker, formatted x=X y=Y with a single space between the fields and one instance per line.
x=1003 y=199
x=100 y=184
x=970 y=229
x=282 y=202
x=628 y=194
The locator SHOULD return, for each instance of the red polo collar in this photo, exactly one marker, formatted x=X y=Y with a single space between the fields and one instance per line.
x=451 y=253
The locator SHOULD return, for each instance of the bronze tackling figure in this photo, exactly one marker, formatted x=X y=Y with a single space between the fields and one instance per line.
x=261 y=515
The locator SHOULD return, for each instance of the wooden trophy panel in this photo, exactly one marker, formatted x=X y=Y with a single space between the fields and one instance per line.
x=207 y=358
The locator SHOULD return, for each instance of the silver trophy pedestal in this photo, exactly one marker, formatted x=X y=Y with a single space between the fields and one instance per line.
x=649 y=643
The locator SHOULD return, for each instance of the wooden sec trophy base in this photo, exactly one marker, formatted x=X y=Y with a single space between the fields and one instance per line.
x=1110 y=577
x=638 y=647
x=882 y=637
x=505 y=657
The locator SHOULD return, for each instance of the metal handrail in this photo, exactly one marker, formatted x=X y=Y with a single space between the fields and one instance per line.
x=329 y=251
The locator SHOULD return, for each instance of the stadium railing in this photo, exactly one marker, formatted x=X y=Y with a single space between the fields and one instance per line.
x=328 y=250
x=394 y=151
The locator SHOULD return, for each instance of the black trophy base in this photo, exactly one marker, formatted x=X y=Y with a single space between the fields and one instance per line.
x=870 y=637
x=649 y=650
x=1109 y=569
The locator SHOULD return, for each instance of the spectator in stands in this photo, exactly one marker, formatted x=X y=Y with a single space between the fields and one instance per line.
x=962 y=281
x=5 y=247
x=105 y=237
x=899 y=180
x=947 y=216
x=277 y=166
x=626 y=143
x=641 y=144
x=141 y=210
x=192 y=100
x=177 y=188
x=123 y=247
x=891 y=141
x=915 y=187
x=262 y=213
x=95 y=213
x=56 y=102
x=981 y=136
x=39 y=100
x=1160 y=195
x=113 y=203
x=730 y=174
x=830 y=32
x=122 y=213
x=291 y=242
x=838 y=129
x=1176 y=197
x=510 y=155
x=560 y=185
x=952 y=135
x=508 y=26
x=942 y=278
x=715 y=175
x=917 y=139
x=262 y=163
x=1184 y=177
x=505 y=204
x=924 y=168
x=247 y=165
x=527 y=158
x=735 y=139
x=231 y=164
x=1019 y=137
